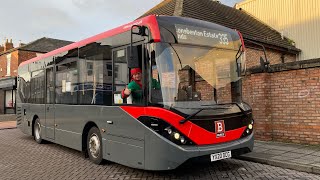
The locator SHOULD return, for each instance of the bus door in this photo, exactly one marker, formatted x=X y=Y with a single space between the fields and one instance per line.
x=50 y=119
x=125 y=141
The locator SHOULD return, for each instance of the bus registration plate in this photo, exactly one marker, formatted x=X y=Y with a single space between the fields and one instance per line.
x=221 y=155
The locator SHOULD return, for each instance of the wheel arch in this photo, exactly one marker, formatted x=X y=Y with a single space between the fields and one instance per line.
x=85 y=132
x=32 y=124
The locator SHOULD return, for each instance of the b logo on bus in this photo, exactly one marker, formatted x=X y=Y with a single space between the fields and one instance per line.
x=220 y=128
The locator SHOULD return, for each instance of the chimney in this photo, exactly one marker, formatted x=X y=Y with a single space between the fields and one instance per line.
x=20 y=43
x=8 y=45
x=1 y=49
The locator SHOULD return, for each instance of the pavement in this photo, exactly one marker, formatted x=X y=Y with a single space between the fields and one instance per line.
x=8 y=125
x=305 y=158
x=7 y=117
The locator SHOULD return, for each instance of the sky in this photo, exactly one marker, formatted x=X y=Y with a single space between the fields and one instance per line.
x=71 y=20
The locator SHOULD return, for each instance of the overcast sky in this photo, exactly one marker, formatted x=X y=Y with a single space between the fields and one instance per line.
x=71 y=20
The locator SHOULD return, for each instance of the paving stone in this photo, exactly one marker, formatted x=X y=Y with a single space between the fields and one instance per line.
x=317 y=153
x=283 y=158
x=259 y=149
x=7 y=117
x=274 y=152
x=302 y=161
x=311 y=158
x=293 y=155
x=22 y=158
x=285 y=148
x=316 y=164
x=304 y=151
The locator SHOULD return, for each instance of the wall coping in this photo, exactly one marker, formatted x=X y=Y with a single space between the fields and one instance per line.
x=305 y=64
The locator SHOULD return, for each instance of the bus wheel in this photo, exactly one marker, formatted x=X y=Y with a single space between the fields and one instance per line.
x=37 y=131
x=94 y=145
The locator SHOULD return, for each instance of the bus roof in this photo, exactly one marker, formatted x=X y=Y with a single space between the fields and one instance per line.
x=149 y=21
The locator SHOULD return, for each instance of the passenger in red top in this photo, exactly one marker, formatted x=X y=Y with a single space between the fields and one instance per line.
x=134 y=85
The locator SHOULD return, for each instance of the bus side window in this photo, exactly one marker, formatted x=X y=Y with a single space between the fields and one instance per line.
x=66 y=83
x=95 y=81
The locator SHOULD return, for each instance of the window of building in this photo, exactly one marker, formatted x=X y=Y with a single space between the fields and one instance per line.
x=8 y=64
x=10 y=101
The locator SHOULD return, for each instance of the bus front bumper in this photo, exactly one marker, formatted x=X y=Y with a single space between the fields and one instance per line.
x=160 y=154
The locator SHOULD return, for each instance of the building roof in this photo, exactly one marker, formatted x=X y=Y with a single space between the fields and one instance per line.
x=42 y=45
x=212 y=11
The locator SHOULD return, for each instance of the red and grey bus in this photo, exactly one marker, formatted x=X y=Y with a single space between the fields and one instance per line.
x=72 y=96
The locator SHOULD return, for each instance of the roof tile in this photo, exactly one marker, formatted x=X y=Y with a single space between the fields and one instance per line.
x=215 y=12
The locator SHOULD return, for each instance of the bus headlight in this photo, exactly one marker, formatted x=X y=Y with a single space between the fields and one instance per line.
x=249 y=129
x=169 y=130
x=182 y=140
x=165 y=130
x=177 y=136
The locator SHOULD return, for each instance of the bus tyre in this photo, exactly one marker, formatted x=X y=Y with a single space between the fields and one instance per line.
x=37 y=131
x=94 y=145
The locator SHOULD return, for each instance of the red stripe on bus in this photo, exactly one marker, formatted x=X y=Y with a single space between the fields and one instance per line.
x=150 y=21
x=195 y=133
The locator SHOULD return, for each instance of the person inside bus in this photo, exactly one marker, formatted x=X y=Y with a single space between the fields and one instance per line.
x=135 y=86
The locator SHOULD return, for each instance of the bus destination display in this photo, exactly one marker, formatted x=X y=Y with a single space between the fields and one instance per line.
x=203 y=36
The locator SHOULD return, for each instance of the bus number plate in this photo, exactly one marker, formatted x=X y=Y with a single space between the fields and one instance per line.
x=221 y=155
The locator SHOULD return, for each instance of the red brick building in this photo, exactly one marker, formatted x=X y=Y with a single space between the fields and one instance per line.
x=285 y=100
x=11 y=57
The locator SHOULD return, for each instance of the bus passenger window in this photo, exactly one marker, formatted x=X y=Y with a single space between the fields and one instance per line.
x=95 y=85
x=66 y=83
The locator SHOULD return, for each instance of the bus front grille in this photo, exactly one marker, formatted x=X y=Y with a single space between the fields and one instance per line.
x=231 y=122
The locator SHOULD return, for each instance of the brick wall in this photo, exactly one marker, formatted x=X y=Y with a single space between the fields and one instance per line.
x=14 y=63
x=16 y=58
x=26 y=55
x=253 y=55
x=285 y=105
x=3 y=66
x=13 y=67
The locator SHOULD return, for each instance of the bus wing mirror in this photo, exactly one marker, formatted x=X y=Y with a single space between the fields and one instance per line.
x=133 y=57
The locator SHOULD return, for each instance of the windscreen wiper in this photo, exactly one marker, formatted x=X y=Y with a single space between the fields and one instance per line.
x=242 y=110
x=189 y=117
x=192 y=115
